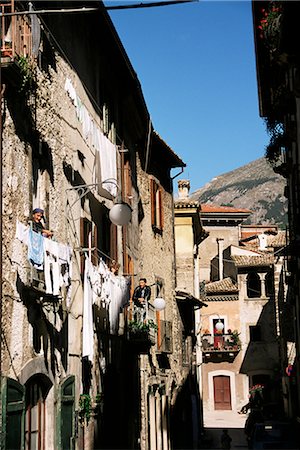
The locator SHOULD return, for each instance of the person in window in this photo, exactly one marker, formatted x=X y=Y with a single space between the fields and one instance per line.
x=142 y=293
x=37 y=225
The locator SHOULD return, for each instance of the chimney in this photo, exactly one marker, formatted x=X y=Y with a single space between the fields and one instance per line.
x=220 y=242
x=183 y=189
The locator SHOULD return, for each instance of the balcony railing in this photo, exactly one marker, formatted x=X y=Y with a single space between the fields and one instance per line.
x=227 y=343
x=140 y=325
x=16 y=36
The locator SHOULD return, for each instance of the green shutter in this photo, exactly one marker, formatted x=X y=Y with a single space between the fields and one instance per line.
x=13 y=414
x=66 y=414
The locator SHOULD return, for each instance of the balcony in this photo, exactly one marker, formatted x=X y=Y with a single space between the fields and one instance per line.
x=141 y=327
x=16 y=36
x=220 y=347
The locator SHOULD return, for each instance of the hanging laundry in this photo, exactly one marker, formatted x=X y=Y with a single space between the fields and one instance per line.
x=36 y=249
x=22 y=232
x=52 y=271
x=87 y=321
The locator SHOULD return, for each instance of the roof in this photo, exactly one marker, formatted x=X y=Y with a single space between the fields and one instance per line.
x=279 y=240
x=210 y=208
x=186 y=297
x=174 y=159
x=253 y=261
x=186 y=203
x=225 y=285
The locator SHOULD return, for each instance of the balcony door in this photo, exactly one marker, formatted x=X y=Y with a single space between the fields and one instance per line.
x=222 y=393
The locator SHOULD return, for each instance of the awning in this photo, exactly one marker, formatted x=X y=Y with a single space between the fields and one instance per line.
x=186 y=297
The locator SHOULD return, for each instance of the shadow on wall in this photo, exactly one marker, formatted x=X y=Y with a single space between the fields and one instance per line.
x=46 y=337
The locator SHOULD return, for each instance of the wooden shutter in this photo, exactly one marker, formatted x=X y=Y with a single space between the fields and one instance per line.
x=161 y=211
x=113 y=242
x=13 y=414
x=164 y=340
x=127 y=190
x=66 y=415
x=153 y=201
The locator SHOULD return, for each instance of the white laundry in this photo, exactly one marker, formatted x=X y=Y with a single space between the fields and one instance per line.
x=52 y=274
x=119 y=287
x=108 y=161
x=87 y=322
x=94 y=136
x=22 y=232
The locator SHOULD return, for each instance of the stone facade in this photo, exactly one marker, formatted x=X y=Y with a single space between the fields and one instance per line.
x=49 y=139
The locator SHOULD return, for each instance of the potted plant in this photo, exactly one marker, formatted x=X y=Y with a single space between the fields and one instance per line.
x=85 y=407
x=140 y=329
x=235 y=340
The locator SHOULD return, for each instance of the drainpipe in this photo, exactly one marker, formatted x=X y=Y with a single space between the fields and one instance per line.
x=220 y=242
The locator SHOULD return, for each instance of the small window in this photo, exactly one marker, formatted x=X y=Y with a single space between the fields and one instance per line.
x=269 y=280
x=253 y=285
x=156 y=206
x=255 y=333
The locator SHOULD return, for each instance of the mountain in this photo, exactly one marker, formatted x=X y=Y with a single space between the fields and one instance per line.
x=254 y=186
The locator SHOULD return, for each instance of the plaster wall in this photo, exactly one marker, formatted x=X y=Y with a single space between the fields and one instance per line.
x=208 y=249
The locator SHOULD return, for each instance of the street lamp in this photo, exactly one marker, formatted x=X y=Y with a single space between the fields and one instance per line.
x=120 y=213
x=159 y=303
x=219 y=326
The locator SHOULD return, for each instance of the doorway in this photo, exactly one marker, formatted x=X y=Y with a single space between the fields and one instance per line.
x=222 y=393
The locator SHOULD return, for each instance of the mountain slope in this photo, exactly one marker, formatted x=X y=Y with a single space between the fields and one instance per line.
x=254 y=186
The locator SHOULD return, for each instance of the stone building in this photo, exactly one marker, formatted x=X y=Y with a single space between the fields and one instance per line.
x=76 y=136
x=238 y=328
x=277 y=63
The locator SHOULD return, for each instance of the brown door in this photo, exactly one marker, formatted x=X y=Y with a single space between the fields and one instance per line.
x=222 y=395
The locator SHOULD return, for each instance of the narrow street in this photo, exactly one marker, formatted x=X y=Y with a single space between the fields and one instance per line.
x=216 y=421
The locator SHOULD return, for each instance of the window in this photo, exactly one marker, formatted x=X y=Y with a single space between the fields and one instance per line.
x=255 y=333
x=253 y=285
x=156 y=205
x=269 y=281
x=37 y=389
x=65 y=414
x=13 y=410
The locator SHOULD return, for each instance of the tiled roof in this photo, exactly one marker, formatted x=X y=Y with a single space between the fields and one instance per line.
x=186 y=203
x=225 y=285
x=207 y=208
x=177 y=161
x=279 y=240
x=256 y=260
x=189 y=298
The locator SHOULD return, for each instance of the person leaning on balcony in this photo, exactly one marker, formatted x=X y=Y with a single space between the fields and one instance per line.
x=142 y=293
x=37 y=226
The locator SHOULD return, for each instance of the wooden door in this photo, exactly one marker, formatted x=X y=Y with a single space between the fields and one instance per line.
x=222 y=394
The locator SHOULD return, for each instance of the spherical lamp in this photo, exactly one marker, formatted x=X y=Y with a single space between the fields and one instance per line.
x=159 y=303
x=219 y=326
x=120 y=214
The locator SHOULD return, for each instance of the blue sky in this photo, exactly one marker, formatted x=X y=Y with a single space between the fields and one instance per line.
x=196 y=65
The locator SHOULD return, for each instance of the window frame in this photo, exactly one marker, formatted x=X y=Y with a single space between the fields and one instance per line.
x=157 y=212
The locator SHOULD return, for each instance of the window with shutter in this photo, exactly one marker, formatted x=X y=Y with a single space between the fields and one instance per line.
x=13 y=413
x=37 y=388
x=156 y=194
x=66 y=414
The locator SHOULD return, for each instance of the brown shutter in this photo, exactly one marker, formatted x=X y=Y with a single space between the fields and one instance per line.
x=113 y=242
x=153 y=201
x=161 y=210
